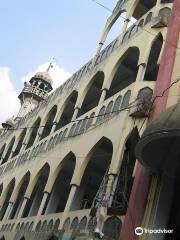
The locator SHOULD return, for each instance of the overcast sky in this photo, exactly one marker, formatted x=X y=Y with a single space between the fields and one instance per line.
x=33 y=32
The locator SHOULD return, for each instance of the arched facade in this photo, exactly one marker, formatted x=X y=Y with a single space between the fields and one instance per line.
x=76 y=149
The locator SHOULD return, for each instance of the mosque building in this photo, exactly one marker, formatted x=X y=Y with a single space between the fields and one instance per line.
x=98 y=157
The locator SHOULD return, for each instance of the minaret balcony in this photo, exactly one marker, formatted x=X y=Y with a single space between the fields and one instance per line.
x=34 y=91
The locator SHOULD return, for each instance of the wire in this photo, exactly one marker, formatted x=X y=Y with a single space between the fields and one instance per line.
x=77 y=120
x=129 y=20
x=156 y=97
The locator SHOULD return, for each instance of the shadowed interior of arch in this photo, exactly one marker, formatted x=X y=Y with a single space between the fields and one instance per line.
x=33 y=204
x=61 y=188
x=49 y=122
x=93 y=94
x=126 y=71
x=93 y=175
x=20 y=143
x=68 y=111
x=20 y=196
x=143 y=7
x=152 y=67
x=9 y=151
x=7 y=197
x=34 y=132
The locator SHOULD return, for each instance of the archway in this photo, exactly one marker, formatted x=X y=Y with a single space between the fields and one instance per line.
x=93 y=94
x=125 y=71
x=9 y=150
x=34 y=202
x=125 y=177
x=143 y=7
x=68 y=111
x=95 y=170
x=152 y=67
x=61 y=187
x=20 y=196
x=34 y=132
x=7 y=196
x=20 y=143
x=49 y=122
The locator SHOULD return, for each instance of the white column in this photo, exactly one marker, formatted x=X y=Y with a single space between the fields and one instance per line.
x=39 y=133
x=53 y=127
x=8 y=210
x=43 y=203
x=76 y=111
x=69 y=203
x=141 y=72
x=22 y=207
x=126 y=22
x=156 y=11
x=103 y=96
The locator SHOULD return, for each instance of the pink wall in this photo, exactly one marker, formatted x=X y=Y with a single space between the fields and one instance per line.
x=141 y=184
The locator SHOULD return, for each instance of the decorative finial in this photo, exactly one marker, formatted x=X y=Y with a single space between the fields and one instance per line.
x=50 y=65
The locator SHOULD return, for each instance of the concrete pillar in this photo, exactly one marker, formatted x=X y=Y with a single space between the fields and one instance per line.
x=156 y=11
x=68 y=204
x=43 y=203
x=23 y=148
x=53 y=127
x=111 y=178
x=126 y=22
x=103 y=95
x=76 y=111
x=141 y=72
x=8 y=210
x=39 y=133
x=22 y=207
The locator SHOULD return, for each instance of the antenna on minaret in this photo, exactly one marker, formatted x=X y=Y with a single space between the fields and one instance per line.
x=50 y=65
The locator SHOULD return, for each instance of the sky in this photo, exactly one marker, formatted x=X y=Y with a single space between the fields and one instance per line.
x=33 y=32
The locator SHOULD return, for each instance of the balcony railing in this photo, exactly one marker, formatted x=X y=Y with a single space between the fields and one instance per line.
x=111 y=107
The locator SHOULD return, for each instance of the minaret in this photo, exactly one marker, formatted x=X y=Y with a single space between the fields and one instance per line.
x=34 y=92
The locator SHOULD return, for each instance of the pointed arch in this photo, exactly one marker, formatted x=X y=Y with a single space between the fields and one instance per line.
x=49 y=121
x=92 y=93
x=124 y=185
x=33 y=133
x=6 y=197
x=68 y=110
x=152 y=67
x=20 y=143
x=125 y=71
x=19 y=195
x=142 y=7
x=61 y=185
x=91 y=173
x=36 y=191
x=9 y=150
